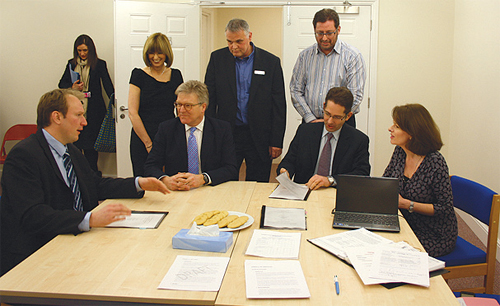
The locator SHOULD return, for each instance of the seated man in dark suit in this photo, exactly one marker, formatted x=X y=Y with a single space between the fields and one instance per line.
x=48 y=187
x=319 y=151
x=193 y=149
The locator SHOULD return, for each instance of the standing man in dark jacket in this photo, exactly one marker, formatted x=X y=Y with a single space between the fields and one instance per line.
x=246 y=89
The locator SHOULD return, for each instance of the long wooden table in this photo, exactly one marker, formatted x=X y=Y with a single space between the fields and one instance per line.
x=119 y=266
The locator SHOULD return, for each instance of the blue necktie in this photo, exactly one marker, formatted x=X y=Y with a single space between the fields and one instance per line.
x=73 y=183
x=325 y=157
x=193 y=164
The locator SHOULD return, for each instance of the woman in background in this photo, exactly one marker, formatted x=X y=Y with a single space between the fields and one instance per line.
x=425 y=196
x=151 y=97
x=92 y=71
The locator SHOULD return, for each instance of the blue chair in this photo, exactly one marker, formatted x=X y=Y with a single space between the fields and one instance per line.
x=466 y=260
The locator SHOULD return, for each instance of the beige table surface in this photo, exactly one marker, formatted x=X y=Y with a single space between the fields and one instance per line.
x=120 y=266
x=319 y=266
x=123 y=265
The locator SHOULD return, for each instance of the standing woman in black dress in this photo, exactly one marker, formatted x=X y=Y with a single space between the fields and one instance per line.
x=151 y=97
x=93 y=71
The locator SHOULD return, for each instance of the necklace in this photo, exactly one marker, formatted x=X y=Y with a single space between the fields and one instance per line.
x=164 y=69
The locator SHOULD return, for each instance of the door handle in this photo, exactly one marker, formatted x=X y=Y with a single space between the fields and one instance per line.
x=123 y=108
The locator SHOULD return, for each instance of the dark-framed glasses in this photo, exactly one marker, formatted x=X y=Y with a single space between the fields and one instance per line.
x=187 y=106
x=335 y=117
x=327 y=34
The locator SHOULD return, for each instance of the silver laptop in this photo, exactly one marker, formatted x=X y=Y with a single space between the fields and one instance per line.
x=369 y=202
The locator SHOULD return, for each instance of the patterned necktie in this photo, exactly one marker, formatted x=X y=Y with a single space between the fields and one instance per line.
x=73 y=183
x=326 y=157
x=193 y=164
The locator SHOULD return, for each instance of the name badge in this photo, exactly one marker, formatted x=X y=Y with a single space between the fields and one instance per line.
x=259 y=72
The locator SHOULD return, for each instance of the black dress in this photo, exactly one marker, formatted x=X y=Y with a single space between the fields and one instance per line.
x=429 y=184
x=156 y=105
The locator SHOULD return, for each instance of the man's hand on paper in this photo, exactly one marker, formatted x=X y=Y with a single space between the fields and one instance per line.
x=283 y=170
x=108 y=214
x=317 y=181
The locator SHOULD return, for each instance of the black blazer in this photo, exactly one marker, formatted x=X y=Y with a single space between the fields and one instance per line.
x=37 y=204
x=96 y=109
x=218 y=157
x=351 y=155
x=266 y=103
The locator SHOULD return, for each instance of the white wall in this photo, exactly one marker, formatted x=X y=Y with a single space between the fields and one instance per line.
x=442 y=54
x=474 y=142
x=414 y=66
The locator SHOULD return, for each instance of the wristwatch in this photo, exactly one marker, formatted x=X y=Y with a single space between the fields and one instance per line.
x=410 y=209
x=205 y=178
x=332 y=181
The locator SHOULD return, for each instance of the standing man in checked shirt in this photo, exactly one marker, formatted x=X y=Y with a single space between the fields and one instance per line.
x=328 y=63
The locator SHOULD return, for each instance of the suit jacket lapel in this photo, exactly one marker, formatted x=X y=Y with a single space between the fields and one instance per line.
x=257 y=65
x=180 y=138
x=315 y=144
x=341 y=148
x=228 y=61
x=206 y=142
x=48 y=154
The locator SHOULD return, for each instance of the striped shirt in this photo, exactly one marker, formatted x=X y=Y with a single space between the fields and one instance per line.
x=315 y=73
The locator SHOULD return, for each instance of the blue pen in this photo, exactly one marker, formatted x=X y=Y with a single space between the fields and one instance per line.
x=337 y=287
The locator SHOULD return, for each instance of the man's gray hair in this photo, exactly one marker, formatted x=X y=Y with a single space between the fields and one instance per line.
x=235 y=25
x=196 y=87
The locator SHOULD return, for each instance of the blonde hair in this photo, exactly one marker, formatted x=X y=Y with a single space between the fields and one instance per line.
x=160 y=44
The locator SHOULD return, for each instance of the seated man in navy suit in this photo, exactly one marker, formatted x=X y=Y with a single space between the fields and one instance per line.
x=48 y=187
x=194 y=150
x=321 y=150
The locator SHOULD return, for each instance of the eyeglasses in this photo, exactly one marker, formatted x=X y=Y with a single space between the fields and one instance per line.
x=327 y=34
x=187 y=107
x=335 y=117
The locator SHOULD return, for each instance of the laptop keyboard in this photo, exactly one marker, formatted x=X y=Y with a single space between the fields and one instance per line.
x=363 y=218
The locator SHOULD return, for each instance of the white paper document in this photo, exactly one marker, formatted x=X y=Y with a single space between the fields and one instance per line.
x=140 y=220
x=338 y=243
x=195 y=273
x=289 y=190
x=265 y=243
x=401 y=266
x=277 y=279
x=284 y=218
x=389 y=264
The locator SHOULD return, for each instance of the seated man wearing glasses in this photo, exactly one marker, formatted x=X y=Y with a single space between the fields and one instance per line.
x=321 y=150
x=192 y=150
x=329 y=63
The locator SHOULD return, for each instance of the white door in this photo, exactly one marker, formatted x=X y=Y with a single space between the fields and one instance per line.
x=298 y=34
x=134 y=22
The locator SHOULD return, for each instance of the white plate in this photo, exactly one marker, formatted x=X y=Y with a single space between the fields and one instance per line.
x=239 y=214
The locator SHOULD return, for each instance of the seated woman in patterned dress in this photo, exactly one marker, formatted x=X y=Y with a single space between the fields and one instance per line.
x=425 y=197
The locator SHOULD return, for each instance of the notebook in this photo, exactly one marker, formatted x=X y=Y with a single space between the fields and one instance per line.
x=369 y=202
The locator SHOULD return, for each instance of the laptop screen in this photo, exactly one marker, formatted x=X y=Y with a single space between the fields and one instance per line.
x=367 y=194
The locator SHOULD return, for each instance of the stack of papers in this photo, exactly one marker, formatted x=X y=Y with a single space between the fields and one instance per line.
x=378 y=260
x=289 y=190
